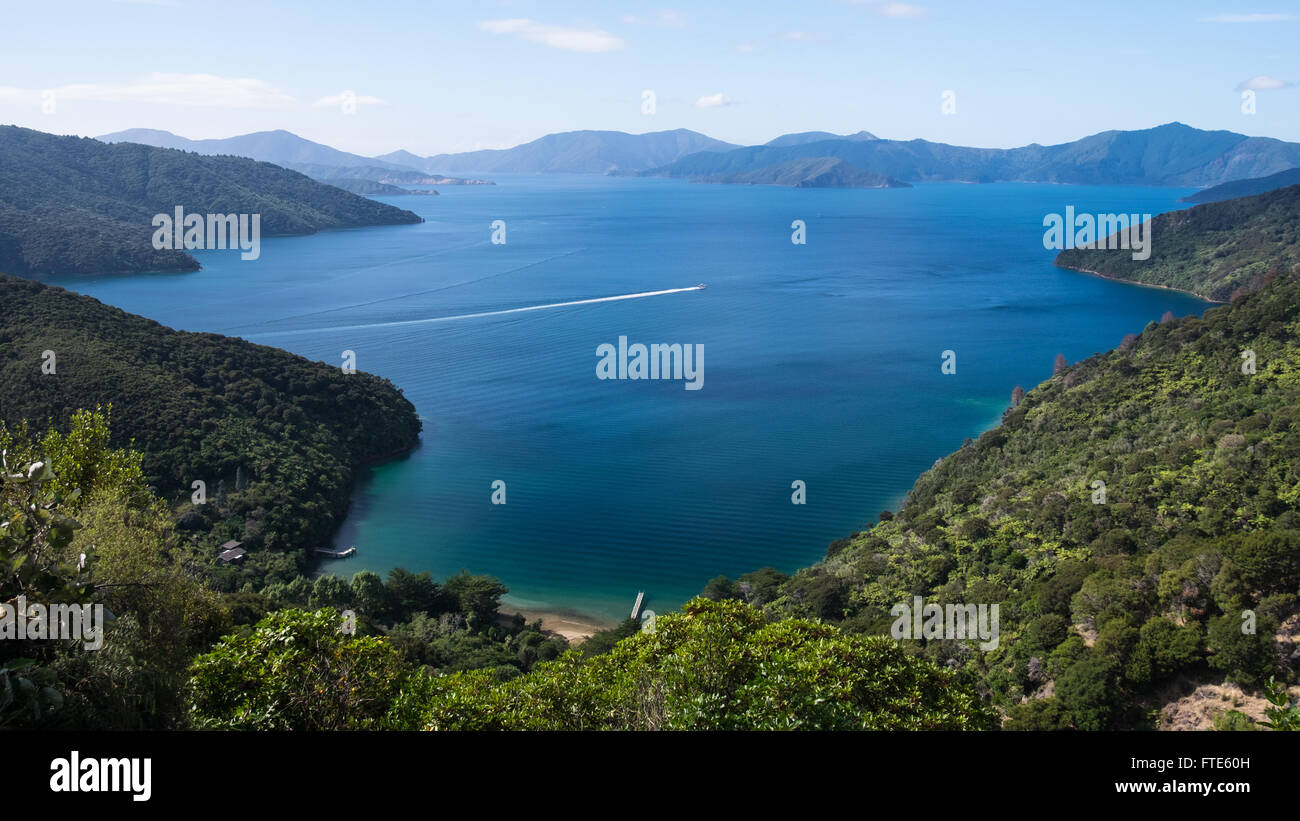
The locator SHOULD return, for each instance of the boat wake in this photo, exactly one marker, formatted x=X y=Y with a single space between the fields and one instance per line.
x=403 y=322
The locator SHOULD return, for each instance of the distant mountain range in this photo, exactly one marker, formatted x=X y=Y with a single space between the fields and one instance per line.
x=573 y=152
x=817 y=172
x=284 y=148
x=279 y=147
x=1172 y=155
x=805 y=137
x=69 y=204
x=1245 y=188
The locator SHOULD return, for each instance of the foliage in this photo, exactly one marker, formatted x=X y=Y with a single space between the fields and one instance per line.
x=1283 y=712
x=715 y=666
x=1199 y=523
x=1213 y=250
x=297 y=671
x=201 y=407
x=119 y=554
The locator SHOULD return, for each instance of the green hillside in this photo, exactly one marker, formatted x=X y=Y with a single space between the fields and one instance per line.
x=1102 y=603
x=73 y=205
x=276 y=438
x=1212 y=250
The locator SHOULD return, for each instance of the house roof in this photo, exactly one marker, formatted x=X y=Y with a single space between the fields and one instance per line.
x=232 y=555
x=230 y=545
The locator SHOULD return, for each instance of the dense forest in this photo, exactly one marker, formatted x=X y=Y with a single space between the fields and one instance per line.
x=81 y=526
x=73 y=205
x=275 y=438
x=1213 y=250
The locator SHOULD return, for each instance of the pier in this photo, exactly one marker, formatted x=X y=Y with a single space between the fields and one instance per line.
x=334 y=552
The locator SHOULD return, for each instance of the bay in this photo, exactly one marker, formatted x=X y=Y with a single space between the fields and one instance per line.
x=822 y=363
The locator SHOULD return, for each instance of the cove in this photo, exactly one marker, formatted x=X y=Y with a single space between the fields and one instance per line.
x=824 y=363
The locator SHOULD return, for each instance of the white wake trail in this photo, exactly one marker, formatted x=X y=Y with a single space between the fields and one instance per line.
x=402 y=322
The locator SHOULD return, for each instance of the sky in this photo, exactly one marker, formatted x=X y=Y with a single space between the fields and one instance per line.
x=433 y=77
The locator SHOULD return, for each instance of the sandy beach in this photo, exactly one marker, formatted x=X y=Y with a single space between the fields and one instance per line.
x=572 y=626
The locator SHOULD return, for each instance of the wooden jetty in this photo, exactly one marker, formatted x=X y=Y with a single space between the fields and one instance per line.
x=335 y=553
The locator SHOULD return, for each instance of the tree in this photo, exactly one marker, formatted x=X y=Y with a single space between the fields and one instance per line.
x=714 y=666
x=1162 y=649
x=719 y=588
x=1059 y=364
x=1088 y=691
x=1247 y=658
x=1017 y=394
x=296 y=671
x=330 y=591
x=1167 y=317
x=478 y=596
x=412 y=593
x=370 y=595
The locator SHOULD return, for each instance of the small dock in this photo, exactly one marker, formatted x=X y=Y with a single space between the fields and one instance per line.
x=334 y=552
x=636 y=607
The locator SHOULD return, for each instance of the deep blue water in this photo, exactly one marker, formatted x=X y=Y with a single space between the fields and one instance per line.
x=822 y=363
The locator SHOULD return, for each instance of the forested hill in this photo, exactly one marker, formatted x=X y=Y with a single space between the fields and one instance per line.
x=1107 y=593
x=1246 y=188
x=70 y=205
x=276 y=438
x=1212 y=250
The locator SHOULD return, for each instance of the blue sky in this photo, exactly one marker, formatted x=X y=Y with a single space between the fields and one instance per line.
x=433 y=77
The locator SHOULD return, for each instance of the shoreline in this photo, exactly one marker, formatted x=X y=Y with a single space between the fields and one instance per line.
x=1135 y=282
x=574 y=626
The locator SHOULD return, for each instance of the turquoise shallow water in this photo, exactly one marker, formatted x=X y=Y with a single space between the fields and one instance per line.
x=822 y=363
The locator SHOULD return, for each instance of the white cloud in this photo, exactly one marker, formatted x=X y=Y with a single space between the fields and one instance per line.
x=569 y=39
x=169 y=89
x=713 y=101
x=1250 y=18
x=899 y=10
x=668 y=18
x=890 y=9
x=344 y=96
x=1263 y=83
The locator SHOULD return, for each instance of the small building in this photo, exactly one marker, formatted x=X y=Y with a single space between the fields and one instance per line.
x=235 y=554
x=230 y=545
